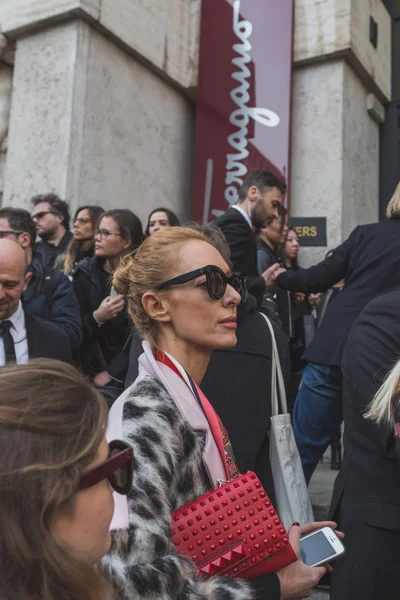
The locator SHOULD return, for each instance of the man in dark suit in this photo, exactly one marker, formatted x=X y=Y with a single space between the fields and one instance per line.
x=259 y=198
x=369 y=262
x=366 y=497
x=23 y=336
x=52 y=218
x=49 y=294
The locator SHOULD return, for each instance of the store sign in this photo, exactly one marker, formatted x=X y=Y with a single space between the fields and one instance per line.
x=311 y=231
x=243 y=100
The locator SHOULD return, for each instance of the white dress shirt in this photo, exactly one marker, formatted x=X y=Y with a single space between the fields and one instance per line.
x=244 y=213
x=18 y=334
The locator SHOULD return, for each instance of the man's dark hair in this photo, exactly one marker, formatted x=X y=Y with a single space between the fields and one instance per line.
x=263 y=180
x=58 y=206
x=19 y=220
x=216 y=238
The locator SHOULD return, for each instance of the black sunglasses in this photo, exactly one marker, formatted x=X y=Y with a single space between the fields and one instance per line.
x=118 y=469
x=38 y=216
x=216 y=281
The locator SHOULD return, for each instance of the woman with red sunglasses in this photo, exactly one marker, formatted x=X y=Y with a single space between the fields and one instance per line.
x=57 y=473
x=182 y=297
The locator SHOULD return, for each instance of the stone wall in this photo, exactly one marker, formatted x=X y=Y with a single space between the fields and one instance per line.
x=102 y=109
x=137 y=146
x=335 y=152
x=317 y=150
x=360 y=177
x=5 y=107
x=98 y=128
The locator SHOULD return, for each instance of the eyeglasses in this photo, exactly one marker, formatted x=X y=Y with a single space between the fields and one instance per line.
x=104 y=233
x=118 y=469
x=82 y=221
x=5 y=232
x=40 y=215
x=216 y=281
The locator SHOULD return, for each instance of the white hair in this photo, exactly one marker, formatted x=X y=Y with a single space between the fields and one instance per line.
x=393 y=208
x=382 y=406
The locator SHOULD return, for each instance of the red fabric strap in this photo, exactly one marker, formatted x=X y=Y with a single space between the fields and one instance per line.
x=218 y=430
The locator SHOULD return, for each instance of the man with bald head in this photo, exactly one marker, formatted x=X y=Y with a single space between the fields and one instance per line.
x=50 y=294
x=24 y=336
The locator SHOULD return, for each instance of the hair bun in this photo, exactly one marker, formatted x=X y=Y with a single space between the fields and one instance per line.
x=122 y=279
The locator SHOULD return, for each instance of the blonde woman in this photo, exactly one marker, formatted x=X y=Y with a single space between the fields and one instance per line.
x=366 y=497
x=184 y=307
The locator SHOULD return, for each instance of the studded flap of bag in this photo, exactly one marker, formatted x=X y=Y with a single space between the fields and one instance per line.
x=233 y=531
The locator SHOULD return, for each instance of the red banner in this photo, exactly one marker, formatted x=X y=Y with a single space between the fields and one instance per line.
x=243 y=100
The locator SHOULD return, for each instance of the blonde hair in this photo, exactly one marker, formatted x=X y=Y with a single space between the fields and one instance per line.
x=382 y=406
x=393 y=208
x=145 y=268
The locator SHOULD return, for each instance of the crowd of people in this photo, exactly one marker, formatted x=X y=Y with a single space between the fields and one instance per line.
x=157 y=334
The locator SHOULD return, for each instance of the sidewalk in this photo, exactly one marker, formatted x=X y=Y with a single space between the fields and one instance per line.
x=321 y=492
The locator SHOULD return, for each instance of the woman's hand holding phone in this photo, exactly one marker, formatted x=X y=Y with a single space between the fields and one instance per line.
x=298 y=580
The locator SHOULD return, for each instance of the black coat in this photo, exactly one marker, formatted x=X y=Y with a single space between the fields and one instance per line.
x=46 y=340
x=238 y=385
x=243 y=247
x=366 y=498
x=369 y=261
x=110 y=337
x=48 y=254
x=50 y=296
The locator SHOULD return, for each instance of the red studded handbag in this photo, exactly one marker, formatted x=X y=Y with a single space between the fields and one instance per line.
x=233 y=531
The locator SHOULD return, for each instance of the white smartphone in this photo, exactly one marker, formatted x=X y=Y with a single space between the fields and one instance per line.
x=113 y=292
x=321 y=547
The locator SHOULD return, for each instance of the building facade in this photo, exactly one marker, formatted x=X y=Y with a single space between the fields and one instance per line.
x=98 y=102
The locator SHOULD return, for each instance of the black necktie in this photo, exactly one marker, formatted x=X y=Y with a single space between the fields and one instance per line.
x=9 y=349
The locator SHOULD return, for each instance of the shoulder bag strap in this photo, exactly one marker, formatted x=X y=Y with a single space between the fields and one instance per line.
x=277 y=386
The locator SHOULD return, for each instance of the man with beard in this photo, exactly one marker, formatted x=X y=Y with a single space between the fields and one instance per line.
x=51 y=217
x=260 y=197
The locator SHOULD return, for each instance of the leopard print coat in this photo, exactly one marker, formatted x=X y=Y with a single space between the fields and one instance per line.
x=169 y=472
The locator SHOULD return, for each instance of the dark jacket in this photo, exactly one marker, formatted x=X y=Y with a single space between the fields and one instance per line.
x=326 y=298
x=278 y=306
x=266 y=256
x=238 y=385
x=50 y=296
x=366 y=497
x=369 y=261
x=99 y=342
x=80 y=254
x=48 y=254
x=243 y=247
x=46 y=340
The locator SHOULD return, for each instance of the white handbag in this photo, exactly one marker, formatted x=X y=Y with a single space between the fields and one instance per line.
x=291 y=493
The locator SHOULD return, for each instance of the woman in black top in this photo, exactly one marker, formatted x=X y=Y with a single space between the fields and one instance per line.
x=104 y=322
